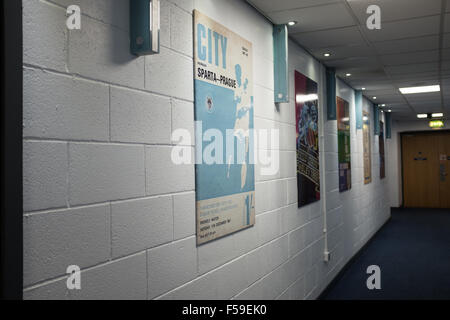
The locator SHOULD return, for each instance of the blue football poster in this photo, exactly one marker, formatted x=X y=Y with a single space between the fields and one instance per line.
x=224 y=171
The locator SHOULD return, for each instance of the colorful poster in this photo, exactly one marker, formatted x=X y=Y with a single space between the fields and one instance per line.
x=344 y=156
x=381 y=144
x=367 y=153
x=225 y=175
x=306 y=115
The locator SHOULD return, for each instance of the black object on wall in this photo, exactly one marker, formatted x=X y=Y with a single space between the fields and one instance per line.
x=11 y=234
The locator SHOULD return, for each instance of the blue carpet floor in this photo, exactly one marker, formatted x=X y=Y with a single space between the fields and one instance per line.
x=413 y=252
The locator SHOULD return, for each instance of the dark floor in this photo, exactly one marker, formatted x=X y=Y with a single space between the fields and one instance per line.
x=413 y=252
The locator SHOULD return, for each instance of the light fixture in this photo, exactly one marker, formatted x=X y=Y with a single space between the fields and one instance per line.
x=348 y=74
x=306 y=97
x=363 y=89
x=437 y=115
x=422 y=116
x=374 y=98
x=365 y=118
x=145 y=27
x=327 y=54
x=423 y=89
x=292 y=23
x=389 y=110
x=383 y=105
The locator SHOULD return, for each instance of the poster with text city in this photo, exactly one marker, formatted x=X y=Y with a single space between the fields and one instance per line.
x=344 y=155
x=225 y=173
x=306 y=117
x=381 y=146
x=367 y=149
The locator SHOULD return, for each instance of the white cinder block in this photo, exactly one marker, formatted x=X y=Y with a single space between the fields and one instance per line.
x=100 y=172
x=183 y=118
x=44 y=175
x=44 y=35
x=164 y=176
x=297 y=290
x=292 y=191
x=164 y=33
x=296 y=241
x=139 y=117
x=55 y=240
x=54 y=290
x=222 y=283
x=181 y=34
x=187 y=5
x=170 y=73
x=288 y=164
x=101 y=52
x=141 y=224
x=115 y=13
x=170 y=266
x=60 y=107
x=268 y=226
x=184 y=215
x=124 y=279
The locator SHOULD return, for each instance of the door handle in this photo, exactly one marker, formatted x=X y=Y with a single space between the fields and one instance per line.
x=442 y=172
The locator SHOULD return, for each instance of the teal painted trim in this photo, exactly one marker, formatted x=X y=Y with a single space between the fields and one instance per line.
x=358 y=109
x=140 y=36
x=388 y=118
x=331 y=93
x=376 y=119
x=280 y=54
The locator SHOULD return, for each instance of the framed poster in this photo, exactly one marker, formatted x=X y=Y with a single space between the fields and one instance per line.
x=367 y=152
x=344 y=155
x=224 y=172
x=307 y=128
x=381 y=144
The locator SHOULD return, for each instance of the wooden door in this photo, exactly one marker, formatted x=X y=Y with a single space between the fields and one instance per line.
x=444 y=170
x=425 y=172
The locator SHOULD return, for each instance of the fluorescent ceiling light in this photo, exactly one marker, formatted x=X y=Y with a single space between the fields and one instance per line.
x=422 y=115
x=374 y=98
x=424 y=89
x=304 y=98
x=326 y=54
x=437 y=115
x=292 y=23
x=348 y=74
x=363 y=89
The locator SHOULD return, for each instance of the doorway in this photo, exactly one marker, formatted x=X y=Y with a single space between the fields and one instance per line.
x=426 y=168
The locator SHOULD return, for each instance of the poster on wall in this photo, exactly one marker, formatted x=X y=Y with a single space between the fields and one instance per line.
x=367 y=152
x=225 y=173
x=344 y=156
x=307 y=115
x=381 y=143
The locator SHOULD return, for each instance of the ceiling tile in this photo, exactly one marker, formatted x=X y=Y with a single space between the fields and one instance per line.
x=408 y=45
x=353 y=63
x=272 y=6
x=331 y=16
x=413 y=68
x=325 y=39
x=396 y=9
x=411 y=28
x=342 y=52
x=410 y=58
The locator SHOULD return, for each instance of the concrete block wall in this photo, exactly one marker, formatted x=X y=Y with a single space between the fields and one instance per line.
x=101 y=192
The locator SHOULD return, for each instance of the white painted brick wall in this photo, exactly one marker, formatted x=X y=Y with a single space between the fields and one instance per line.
x=101 y=191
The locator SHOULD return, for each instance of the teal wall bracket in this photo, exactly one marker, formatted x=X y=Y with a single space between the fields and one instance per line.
x=280 y=55
x=144 y=27
x=376 y=119
x=331 y=93
x=388 y=118
x=358 y=109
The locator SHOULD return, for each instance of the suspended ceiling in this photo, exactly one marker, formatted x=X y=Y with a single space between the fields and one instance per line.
x=412 y=48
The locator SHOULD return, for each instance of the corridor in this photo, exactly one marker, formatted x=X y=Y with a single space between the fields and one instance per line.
x=412 y=251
